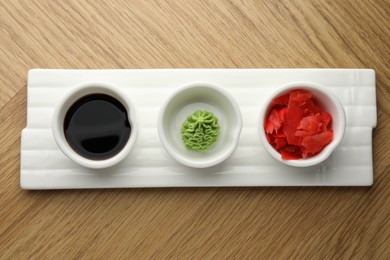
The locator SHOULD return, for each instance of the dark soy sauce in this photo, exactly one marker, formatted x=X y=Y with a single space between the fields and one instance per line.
x=97 y=127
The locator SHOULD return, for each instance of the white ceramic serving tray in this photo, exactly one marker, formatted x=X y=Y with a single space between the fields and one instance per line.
x=44 y=166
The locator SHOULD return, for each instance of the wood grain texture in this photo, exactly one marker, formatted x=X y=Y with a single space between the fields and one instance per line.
x=207 y=223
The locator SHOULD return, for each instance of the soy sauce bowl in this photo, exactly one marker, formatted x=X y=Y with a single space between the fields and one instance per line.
x=329 y=103
x=77 y=93
x=182 y=103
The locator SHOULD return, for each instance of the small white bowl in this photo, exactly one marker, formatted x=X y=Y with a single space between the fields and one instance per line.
x=329 y=102
x=182 y=103
x=69 y=99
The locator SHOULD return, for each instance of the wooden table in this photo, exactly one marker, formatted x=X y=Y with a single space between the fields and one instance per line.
x=185 y=223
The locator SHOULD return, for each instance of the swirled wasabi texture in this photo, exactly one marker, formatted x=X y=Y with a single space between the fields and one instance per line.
x=200 y=130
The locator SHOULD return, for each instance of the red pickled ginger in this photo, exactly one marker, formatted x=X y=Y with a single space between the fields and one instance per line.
x=297 y=127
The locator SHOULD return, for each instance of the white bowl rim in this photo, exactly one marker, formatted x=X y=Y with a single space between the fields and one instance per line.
x=207 y=162
x=328 y=150
x=78 y=91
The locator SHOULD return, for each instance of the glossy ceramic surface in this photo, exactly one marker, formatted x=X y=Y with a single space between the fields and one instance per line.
x=182 y=103
x=45 y=166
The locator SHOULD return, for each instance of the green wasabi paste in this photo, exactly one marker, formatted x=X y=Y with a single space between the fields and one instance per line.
x=200 y=130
